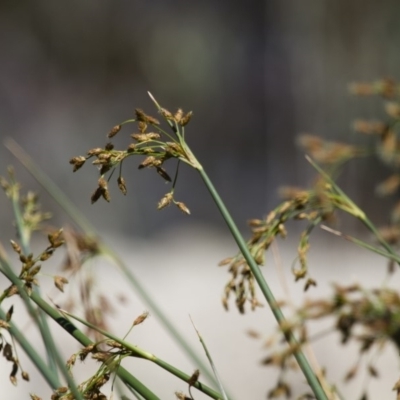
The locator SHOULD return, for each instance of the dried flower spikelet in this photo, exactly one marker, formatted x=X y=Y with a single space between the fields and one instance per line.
x=96 y=194
x=101 y=356
x=225 y=261
x=182 y=396
x=194 y=378
x=55 y=239
x=4 y=324
x=34 y=397
x=77 y=162
x=142 y=117
x=310 y=282
x=95 y=152
x=282 y=230
x=178 y=115
x=131 y=148
x=142 y=126
x=163 y=173
x=13 y=378
x=392 y=109
x=71 y=361
x=9 y=313
x=59 y=282
x=183 y=207
x=147 y=162
x=369 y=127
x=145 y=137
x=141 y=318
x=46 y=254
x=361 y=89
x=166 y=114
x=165 y=201
x=16 y=247
x=109 y=146
x=186 y=119
x=114 y=131
x=12 y=290
x=121 y=185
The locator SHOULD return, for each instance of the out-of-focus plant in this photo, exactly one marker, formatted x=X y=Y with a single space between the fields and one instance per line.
x=369 y=316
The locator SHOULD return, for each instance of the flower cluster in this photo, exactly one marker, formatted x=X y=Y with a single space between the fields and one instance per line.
x=151 y=142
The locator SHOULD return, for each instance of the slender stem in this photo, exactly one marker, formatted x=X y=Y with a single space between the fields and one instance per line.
x=298 y=354
x=138 y=352
x=77 y=334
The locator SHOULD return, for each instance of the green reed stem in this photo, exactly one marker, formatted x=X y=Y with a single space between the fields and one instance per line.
x=37 y=315
x=298 y=354
x=77 y=334
x=150 y=357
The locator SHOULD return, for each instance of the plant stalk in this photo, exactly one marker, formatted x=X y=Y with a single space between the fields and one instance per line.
x=298 y=354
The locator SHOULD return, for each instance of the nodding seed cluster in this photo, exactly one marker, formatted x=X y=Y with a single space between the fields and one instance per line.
x=109 y=353
x=368 y=317
x=156 y=146
x=7 y=349
x=312 y=206
x=319 y=204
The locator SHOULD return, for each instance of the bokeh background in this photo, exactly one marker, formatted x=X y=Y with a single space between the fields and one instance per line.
x=255 y=74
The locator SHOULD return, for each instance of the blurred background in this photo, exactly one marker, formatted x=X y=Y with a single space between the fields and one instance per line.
x=255 y=74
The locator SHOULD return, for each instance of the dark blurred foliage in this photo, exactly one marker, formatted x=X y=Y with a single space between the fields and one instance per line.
x=255 y=74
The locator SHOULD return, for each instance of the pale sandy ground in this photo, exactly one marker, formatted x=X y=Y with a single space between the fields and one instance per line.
x=179 y=269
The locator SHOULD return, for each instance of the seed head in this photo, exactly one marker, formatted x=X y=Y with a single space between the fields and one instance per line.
x=183 y=207
x=186 y=119
x=77 y=162
x=121 y=185
x=165 y=201
x=114 y=131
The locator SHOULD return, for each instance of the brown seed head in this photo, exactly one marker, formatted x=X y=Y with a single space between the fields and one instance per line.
x=141 y=318
x=165 y=201
x=121 y=185
x=114 y=131
x=77 y=162
x=183 y=207
x=59 y=282
x=16 y=246
x=186 y=119
x=95 y=152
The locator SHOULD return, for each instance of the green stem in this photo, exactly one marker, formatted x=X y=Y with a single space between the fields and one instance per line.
x=298 y=354
x=77 y=334
x=39 y=317
x=150 y=357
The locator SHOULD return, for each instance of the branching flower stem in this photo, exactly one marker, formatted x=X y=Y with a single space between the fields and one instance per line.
x=298 y=354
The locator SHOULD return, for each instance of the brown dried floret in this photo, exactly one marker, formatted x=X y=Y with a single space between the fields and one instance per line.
x=163 y=173
x=186 y=119
x=77 y=162
x=145 y=137
x=114 y=131
x=121 y=185
x=165 y=201
x=59 y=282
x=182 y=207
x=142 y=117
